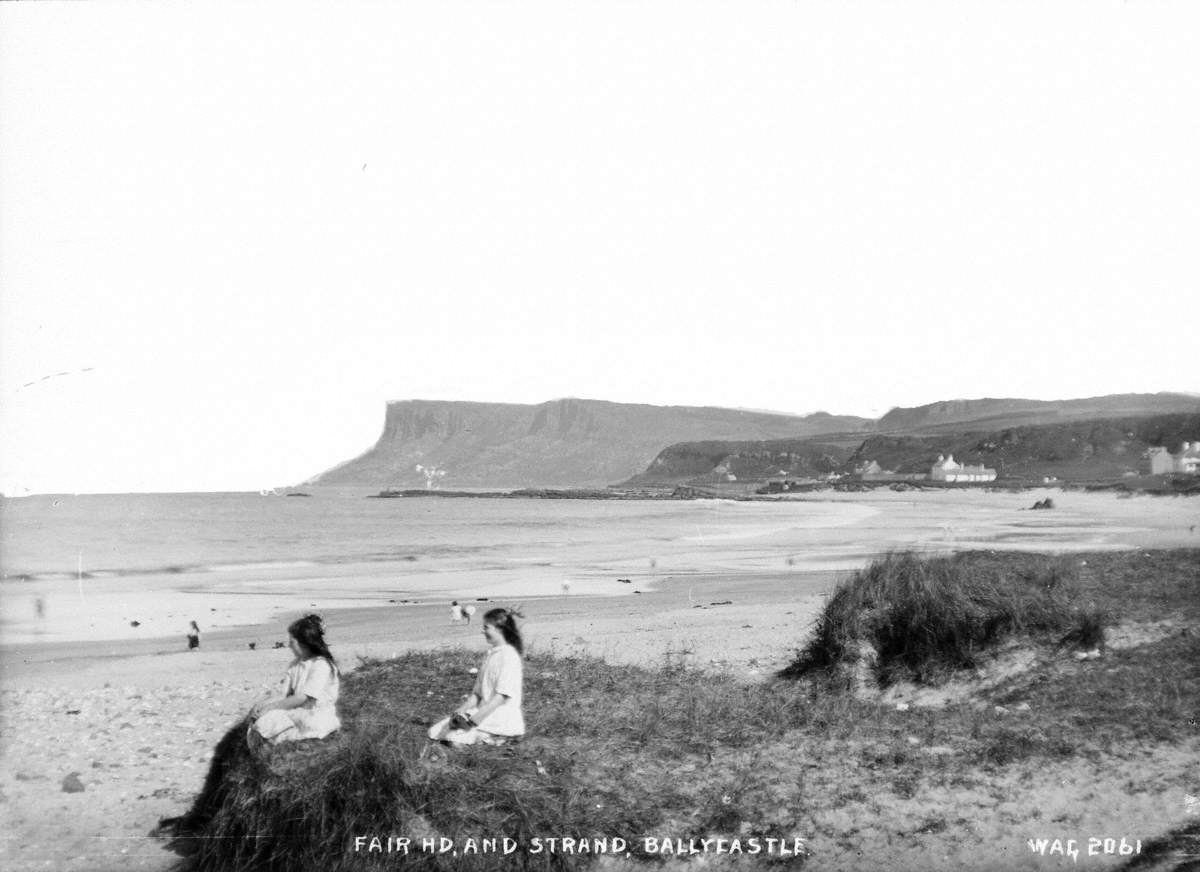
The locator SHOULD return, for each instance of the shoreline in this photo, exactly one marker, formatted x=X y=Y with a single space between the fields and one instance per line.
x=672 y=608
x=78 y=611
x=136 y=725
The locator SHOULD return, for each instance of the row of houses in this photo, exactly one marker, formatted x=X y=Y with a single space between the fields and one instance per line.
x=1162 y=462
x=945 y=468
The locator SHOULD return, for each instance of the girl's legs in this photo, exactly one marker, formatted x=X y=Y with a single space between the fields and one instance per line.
x=272 y=728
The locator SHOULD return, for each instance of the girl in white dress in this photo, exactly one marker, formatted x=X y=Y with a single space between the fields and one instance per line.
x=308 y=707
x=491 y=714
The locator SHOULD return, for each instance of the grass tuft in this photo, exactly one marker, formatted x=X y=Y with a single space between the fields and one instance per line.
x=910 y=616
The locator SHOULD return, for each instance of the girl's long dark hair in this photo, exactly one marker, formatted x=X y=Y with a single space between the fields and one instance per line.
x=505 y=620
x=309 y=631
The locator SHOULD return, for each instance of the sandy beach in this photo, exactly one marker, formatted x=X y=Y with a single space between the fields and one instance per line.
x=102 y=738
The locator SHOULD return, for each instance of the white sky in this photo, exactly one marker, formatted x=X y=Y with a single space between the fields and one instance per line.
x=241 y=229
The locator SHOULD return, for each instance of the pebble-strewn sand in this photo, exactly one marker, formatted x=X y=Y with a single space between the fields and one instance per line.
x=133 y=723
x=135 y=753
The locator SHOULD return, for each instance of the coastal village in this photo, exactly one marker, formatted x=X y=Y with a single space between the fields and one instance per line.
x=946 y=470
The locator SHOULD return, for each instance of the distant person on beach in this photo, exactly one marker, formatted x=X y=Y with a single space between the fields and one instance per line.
x=456 y=612
x=308 y=707
x=491 y=714
x=193 y=636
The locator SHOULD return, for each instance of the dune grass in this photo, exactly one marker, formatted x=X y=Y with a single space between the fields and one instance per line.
x=921 y=618
x=670 y=751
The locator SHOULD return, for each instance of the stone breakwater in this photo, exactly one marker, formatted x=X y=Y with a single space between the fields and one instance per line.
x=88 y=774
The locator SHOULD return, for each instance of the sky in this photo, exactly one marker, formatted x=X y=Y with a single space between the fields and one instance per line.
x=230 y=234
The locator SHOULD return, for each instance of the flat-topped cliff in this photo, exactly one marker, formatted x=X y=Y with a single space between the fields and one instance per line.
x=567 y=442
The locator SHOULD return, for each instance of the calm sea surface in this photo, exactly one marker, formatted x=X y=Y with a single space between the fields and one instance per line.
x=137 y=565
x=130 y=534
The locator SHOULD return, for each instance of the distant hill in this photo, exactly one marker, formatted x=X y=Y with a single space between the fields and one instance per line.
x=701 y=463
x=1073 y=451
x=594 y=443
x=998 y=414
x=563 y=443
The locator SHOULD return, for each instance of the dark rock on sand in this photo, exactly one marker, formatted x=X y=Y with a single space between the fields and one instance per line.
x=72 y=784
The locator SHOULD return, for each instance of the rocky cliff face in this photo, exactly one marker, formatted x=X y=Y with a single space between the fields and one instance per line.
x=562 y=443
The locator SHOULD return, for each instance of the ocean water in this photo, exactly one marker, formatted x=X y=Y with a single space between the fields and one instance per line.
x=132 y=566
x=91 y=565
x=103 y=536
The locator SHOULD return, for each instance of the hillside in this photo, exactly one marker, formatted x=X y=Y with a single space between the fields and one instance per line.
x=568 y=442
x=1077 y=451
x=1081 y=450
x=998 y=414
x=593 y=443
x=700 y=463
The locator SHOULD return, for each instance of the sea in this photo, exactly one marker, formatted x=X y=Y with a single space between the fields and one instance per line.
x=77 y=567
x=129 y=565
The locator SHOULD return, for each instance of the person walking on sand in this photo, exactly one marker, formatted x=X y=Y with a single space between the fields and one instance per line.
x=308 y=707
x=456 y=612
x=193 y=636
x=491 y=713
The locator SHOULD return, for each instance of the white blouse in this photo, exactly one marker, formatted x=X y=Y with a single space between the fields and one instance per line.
x=503 y=673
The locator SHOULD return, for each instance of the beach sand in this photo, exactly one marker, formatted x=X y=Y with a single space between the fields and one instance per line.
x=138 y=727
x=132 y=723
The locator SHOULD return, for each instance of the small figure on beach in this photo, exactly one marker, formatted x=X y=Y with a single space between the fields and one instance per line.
x=308 y=707
x=491 y=713
x=566 y=586
x=456 y=612
x=193 y=636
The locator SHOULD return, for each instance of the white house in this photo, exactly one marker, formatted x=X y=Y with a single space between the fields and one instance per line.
x=946 y=469
x=1186 y=461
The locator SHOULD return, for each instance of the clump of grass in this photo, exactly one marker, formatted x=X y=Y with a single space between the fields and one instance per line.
x=1087 y=629
x=922 y=617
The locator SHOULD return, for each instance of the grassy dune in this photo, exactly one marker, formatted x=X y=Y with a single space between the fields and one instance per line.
x=922 y=618
x=674 y=752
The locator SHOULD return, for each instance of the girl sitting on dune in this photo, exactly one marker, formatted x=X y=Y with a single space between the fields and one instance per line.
x=491 y=714
x=308 y=707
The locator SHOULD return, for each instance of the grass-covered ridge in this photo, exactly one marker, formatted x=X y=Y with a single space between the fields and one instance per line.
x=620 y=751
x=919 y=617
